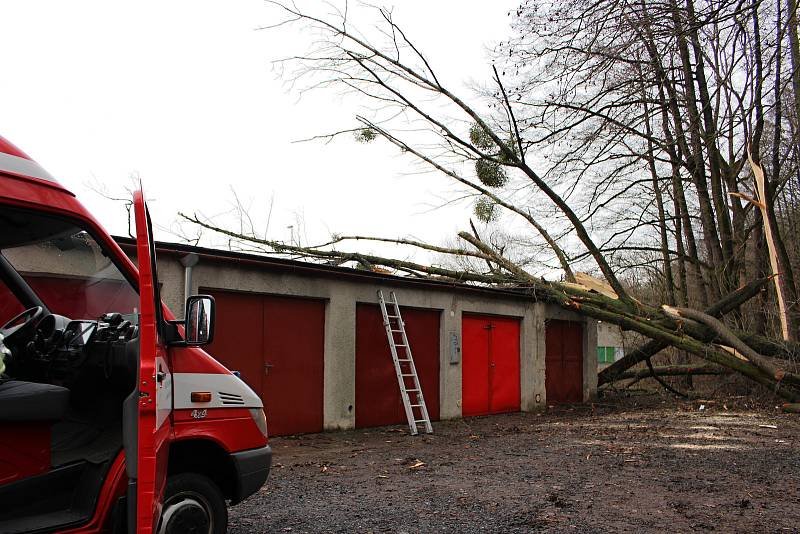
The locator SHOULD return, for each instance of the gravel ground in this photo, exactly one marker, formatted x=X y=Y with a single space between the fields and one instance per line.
x=631 y=466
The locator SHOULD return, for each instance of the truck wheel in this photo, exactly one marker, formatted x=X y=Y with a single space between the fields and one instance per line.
x=193 y=504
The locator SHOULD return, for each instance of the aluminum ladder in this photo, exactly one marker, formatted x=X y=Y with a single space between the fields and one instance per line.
x=407 y=378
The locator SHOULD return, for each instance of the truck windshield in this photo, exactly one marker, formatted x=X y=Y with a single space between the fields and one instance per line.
x=64 y=265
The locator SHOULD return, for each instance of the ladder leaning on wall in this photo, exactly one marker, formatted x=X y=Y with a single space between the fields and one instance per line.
x=407 y=378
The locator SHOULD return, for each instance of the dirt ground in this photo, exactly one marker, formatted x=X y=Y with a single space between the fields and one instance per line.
x=648 y=464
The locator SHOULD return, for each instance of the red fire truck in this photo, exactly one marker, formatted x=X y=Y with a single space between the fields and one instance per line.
x=112 y=418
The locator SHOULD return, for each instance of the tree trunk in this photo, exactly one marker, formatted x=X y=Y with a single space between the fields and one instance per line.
x=669 y=282
x=674 y=370
x=729 y=267
x=697 y=160
x=682 y=221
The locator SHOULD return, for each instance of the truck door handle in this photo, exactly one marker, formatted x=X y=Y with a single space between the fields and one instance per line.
x=160 y=376
x=267 y=367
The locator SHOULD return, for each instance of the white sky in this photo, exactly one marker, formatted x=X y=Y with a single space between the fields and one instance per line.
x=183 y=94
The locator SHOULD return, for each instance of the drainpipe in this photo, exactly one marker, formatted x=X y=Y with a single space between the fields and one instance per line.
x=188 y=261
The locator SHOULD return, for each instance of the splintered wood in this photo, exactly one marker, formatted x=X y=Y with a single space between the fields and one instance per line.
x=590 y=283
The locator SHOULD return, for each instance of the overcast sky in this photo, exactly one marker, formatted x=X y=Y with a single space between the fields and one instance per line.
x=183 y=95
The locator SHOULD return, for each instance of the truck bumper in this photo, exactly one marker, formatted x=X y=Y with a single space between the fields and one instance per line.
x=252 y=468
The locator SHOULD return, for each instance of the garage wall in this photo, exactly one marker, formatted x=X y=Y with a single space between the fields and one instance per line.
x=342 y=296
x=340 y=333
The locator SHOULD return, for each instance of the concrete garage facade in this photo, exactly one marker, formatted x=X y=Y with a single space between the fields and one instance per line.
x=348 y=328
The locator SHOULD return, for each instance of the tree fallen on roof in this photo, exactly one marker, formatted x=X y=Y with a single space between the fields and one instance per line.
x=488 y=155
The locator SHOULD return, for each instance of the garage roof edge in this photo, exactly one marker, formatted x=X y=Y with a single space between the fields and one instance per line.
x=308 y=268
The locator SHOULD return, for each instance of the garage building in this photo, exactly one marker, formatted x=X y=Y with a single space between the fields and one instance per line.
x=309 y=339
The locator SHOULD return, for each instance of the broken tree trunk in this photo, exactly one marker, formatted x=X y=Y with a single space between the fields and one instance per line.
x=676 y=337
x=727 y=336
x=781 y=291
x=651 y=348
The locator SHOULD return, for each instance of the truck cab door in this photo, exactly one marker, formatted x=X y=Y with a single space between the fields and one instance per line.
x=154 y=383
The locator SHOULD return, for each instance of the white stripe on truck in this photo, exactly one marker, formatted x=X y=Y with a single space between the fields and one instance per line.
x=25 y=167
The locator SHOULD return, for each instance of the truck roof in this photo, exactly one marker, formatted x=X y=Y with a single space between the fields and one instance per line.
x=16 y=162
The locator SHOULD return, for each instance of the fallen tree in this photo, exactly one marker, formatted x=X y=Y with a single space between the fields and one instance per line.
x=673 y=370
x=657 y=373
x=486 y=156
x=779 y=349
x=662 y=327
x=668 y=370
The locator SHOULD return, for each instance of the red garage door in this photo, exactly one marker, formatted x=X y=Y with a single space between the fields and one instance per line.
x=490 y=366
x=277 y=344
x=378 y=400
x=564 y=362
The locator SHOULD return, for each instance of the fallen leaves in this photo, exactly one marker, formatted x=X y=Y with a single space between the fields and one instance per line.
x=417 y=464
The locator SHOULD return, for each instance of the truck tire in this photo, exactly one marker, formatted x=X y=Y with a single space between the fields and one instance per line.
x=193 y=504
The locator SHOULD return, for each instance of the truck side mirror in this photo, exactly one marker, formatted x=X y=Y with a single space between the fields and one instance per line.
x=199 y=322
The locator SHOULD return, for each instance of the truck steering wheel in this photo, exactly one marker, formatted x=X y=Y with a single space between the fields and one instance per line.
x=22 y=324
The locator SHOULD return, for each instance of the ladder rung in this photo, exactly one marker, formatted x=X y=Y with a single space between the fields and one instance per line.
x=400 y=345
x=396 y=330
x=412 y=391
x=420 y=420
x=393 y=316
x=416 y=406
x=411 y=374
x=403 y=360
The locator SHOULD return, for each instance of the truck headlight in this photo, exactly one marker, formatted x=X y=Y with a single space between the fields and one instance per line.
x=260 y=418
